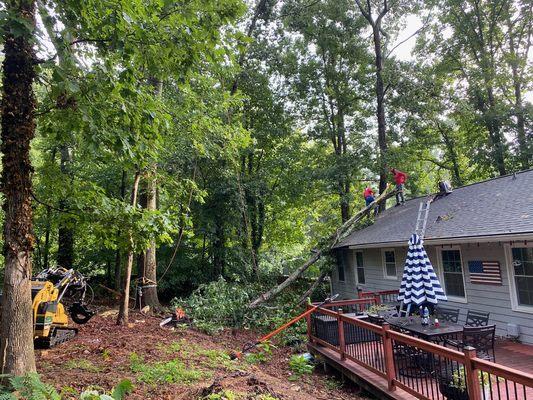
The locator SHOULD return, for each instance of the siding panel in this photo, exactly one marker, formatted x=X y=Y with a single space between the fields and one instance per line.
x=487 y=298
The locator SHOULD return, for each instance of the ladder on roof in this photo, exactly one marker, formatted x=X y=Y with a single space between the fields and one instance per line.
x=422 y=218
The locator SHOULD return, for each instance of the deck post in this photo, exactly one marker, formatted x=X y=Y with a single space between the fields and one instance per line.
x=308 y=320
x=471 y=374
x=388 y=354
x=377 y=299
x=342 y=343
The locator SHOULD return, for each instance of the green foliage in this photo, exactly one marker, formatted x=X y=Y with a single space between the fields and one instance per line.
x=174 y=371
x=299 y=366
x=262 y=354
x=82 y=364
x=223 y=395
x=30 y=387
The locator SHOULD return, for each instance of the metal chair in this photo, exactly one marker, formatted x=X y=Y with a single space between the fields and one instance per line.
x=480 y=337
x=477 y=318
x=447 y=314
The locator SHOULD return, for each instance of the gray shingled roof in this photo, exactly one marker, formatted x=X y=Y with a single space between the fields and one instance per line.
x=500 y=206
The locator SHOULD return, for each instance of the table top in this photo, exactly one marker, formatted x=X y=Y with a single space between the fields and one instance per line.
x=414 y=325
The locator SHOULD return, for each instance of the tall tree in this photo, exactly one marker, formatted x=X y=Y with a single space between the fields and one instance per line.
x=474 y=51
x=18 y=129
x=330 y=84
x=375 y=19
x=519 y=35
x=123 y=313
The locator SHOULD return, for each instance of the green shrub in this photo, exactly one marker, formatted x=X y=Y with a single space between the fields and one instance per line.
x=221 y=303
x=299 y=366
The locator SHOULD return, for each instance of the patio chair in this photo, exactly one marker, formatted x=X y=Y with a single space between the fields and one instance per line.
x=479 y=337
x=477 y=318
x=447 y=314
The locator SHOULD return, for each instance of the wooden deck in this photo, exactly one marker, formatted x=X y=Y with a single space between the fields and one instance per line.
x=515 y=355
x=510 y=354
x=394 y=365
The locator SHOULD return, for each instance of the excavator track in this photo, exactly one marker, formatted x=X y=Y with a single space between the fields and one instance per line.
x=57 y=336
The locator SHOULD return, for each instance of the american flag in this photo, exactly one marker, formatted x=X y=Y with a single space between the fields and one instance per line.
x=485 y=272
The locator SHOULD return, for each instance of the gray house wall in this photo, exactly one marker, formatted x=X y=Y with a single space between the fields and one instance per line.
x=488 y=298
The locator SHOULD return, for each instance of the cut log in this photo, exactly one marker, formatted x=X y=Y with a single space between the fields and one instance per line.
x=331 y=241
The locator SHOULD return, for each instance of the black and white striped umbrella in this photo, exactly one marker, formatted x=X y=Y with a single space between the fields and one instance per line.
x=419 y=282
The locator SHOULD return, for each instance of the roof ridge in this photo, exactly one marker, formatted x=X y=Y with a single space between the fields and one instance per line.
x=474 y=183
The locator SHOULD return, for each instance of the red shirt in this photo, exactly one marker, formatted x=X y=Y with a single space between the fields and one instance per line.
x=399 y=177
x=368 y=192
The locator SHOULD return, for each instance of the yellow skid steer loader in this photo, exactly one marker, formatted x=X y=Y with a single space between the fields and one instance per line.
x=50 y=289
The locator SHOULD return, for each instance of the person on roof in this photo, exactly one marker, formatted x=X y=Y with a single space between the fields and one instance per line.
x=369 y=196
x=399 y=178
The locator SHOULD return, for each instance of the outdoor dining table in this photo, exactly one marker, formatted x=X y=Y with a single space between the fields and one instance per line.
x=431 y=333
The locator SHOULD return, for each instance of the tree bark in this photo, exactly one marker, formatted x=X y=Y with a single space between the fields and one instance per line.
x=380 y=112
x=123 y=314
x=149 y=292
x=118 y=256
x=46 y=250
x=313 y=287
x=18 y=129
x=452 y=154
x=65 y=236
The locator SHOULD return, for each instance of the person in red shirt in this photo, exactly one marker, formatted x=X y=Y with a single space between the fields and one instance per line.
x=368 y=194
x=399 y=178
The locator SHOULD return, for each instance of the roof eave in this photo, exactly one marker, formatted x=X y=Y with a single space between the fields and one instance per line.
x=498 y=237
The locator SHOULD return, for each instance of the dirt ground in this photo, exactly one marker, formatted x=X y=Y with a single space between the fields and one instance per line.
x=178 y=364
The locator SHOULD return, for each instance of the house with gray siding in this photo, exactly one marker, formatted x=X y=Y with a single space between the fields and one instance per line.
x=488 y=223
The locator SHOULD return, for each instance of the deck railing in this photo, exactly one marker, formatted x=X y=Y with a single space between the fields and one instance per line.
x=425 y=370
x=382 y=296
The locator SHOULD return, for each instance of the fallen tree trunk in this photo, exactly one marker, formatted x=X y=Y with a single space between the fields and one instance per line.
x=313 y=287
x=331 y=241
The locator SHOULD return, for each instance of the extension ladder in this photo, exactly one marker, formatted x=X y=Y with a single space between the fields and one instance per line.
x=422 y=219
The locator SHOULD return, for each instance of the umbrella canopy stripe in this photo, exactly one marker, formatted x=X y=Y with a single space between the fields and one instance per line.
x=419 y=282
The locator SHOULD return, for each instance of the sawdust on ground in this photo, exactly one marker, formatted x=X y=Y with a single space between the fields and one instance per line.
x=101 y=356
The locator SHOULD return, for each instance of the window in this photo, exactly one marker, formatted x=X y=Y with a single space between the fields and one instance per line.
x=452 y=270
x=389 y=261
x=523 y=275
x=360 y=268
x=340 y=266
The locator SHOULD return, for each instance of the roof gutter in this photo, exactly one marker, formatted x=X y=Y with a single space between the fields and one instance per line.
x=516 y=237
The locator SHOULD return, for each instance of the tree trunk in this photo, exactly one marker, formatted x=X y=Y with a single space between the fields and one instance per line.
x=46 y=250
x=18 y=128
x=219 y=247
x=122 y=317
x=149 y=291
x=65 y=237
x=452 y=154
x=375 y=24
x=524 y=147
x=118 y=256
x=380 y=112
x=313 y=287
x=493 y=126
